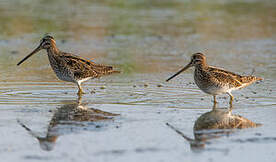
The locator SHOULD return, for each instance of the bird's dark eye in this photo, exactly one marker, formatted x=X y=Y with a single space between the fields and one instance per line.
x=42 y=40
x=45 y=44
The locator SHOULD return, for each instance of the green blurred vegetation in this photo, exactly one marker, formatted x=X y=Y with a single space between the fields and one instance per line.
x=99 y=19
x=140 y=17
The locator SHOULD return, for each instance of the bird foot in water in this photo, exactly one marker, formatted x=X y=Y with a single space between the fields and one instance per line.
x=80 y=92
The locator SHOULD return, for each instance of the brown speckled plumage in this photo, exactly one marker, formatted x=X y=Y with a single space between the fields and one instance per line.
x=69 y=118
x=215 y=124
x=215 y=81
x=69 y=67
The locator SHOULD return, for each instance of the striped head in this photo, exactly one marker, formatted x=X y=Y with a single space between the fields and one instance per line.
x=198 y=59
x=45 y=43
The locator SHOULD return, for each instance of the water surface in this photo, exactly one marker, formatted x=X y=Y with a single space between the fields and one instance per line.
x=148 y=41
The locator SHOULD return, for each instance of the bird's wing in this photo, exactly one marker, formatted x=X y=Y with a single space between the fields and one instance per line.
x=223 y=76
x=84 y=68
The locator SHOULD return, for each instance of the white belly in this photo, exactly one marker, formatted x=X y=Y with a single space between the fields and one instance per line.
x=211 y=87
x=215 y=90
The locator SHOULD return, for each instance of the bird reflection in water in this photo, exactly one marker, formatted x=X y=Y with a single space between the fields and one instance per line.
x=214 y=124
x=67 y=119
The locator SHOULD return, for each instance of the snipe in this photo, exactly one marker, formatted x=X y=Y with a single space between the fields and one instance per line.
x=69 y=67
x=215 y=81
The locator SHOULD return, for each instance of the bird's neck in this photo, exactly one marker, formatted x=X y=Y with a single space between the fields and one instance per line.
x=53 y=50
x=202 y=66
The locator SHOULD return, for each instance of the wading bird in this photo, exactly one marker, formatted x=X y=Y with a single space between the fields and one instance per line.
x=69 y=67
x=213 y=80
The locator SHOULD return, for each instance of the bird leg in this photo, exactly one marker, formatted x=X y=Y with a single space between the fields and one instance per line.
x=214 y=106
x=80 y=92
x=230 y=108
x=231 y=99
x=215 y=101
x=79 y=99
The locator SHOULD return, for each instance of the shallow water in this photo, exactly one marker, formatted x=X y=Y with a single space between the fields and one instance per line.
x=148 y=41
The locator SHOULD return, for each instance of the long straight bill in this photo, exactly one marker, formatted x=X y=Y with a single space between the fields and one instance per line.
x=180 y=71
x=35 y=51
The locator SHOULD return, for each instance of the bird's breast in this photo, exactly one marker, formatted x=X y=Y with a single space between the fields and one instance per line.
x=60 y=69
x=208 y=85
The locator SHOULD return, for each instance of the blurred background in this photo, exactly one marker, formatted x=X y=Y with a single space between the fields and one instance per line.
x=141 y=36
x=148 y=40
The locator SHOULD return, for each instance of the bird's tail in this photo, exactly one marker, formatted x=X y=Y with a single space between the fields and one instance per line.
x=258 y=78
x=111 y=70
x=250 y=79
x=105 y=70
x=247 y=80
x=115 y=71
